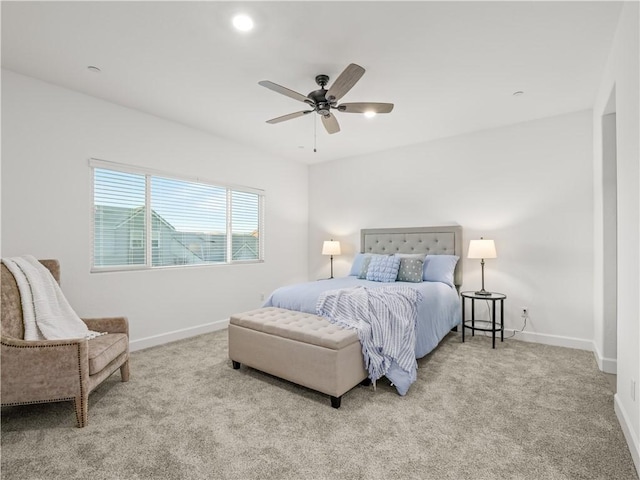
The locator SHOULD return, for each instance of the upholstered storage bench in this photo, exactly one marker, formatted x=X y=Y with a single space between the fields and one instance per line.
x=302 y=348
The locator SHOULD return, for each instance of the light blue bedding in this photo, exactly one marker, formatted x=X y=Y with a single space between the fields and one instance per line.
x=438 y=312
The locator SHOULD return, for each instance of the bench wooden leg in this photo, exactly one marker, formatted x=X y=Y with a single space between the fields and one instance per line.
x=236 y=365
x=335 y=401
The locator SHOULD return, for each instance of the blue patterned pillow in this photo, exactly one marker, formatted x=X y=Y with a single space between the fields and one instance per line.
x=358 y=261
x=364 y=268
x=410 y=270
x=383 y=268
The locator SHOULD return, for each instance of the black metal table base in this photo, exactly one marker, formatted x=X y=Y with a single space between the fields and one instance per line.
x=485 y=325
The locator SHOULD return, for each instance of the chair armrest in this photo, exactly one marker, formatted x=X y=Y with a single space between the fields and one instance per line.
x=36 y=344
x=108 y=324
x=27 y=369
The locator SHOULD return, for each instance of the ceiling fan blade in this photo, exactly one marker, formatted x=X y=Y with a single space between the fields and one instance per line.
x=330 y=123
x=285 y=91
x=363 y=107
x=345 y=81
x=288 y=116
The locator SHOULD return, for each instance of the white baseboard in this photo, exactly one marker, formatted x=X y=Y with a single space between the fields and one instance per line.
x=555 y=340
x=607 y=365
x=163 y=338
x=632 y=440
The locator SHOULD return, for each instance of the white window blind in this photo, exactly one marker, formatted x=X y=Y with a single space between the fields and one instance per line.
x=146 y=220
x=245 y=226
x=118 y=218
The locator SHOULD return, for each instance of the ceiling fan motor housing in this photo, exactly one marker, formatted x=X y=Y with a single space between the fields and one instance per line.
x=320 y=100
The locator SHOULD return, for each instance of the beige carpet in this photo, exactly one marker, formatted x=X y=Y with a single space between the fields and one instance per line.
x=522 y=411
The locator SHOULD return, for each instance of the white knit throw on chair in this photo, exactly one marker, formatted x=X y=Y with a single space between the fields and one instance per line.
x=46 y=312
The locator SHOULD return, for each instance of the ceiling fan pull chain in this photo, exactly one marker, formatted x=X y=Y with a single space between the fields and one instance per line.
x=315 y=136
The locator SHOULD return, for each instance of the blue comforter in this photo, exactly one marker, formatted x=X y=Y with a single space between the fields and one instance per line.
x=438 y=311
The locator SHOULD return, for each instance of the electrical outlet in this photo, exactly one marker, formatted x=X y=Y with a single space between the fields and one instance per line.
x=525 y=312
x=262 y=296
x=633 y=390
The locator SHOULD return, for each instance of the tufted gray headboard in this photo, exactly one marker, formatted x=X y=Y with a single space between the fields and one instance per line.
x=445 y=240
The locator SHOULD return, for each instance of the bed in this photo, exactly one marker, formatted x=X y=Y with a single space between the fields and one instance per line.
x=438 y=311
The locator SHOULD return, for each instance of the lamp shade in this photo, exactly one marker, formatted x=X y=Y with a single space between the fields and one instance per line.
x=331 y=247
x=482 y=249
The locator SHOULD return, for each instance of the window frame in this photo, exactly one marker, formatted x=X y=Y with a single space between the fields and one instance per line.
x=148 y=236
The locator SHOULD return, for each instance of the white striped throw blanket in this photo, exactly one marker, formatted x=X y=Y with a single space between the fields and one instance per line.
x=385 y=319
x=45 y=310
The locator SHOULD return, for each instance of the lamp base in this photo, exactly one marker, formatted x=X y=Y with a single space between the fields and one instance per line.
x=483 y=293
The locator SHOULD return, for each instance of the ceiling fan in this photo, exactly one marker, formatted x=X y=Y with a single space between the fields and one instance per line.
x=323 y=100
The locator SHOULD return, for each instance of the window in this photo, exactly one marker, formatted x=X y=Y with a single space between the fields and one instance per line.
x=143 y=219
x=136 y=239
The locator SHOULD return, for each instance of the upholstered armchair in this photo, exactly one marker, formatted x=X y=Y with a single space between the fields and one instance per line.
x=57 y=370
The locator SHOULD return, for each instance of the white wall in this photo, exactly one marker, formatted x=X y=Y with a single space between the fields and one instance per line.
x=527 y=186
x=621 y=74
x=48 y=135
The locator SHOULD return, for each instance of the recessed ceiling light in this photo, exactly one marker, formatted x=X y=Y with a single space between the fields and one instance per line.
x=518 y=93
x=369 y=114
x=93 y=69
x=243 y=23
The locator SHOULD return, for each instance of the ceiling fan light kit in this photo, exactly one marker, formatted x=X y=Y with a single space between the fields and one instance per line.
x=322 y=101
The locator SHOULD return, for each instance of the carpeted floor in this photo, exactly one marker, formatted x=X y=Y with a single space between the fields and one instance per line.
x=522 y=411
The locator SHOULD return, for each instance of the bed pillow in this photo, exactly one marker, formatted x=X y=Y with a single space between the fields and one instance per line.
x=358 y=260
x=420 y=256
x=383 y=268
x=410 y=270
x=439 y=268
x=411 y=255
x=365 y=267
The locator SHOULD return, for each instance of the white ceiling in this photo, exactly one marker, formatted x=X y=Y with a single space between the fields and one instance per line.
x=449 y=67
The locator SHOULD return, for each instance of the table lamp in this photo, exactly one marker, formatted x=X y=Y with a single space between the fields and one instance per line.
x=482 y=249
x=331 y=247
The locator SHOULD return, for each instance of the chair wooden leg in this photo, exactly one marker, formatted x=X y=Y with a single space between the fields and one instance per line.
x=124 y=371
x=81 y=406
